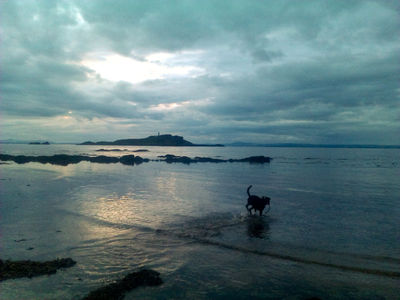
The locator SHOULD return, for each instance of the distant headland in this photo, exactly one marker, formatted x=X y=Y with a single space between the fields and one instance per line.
x=39 y=143
x=155 y=140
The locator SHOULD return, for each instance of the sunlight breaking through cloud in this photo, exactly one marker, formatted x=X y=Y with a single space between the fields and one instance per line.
x=115 y=67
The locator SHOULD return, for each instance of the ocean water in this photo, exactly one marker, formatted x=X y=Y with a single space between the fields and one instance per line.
x=332 y=231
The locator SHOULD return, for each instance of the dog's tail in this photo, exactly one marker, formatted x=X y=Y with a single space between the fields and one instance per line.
x=248 y=190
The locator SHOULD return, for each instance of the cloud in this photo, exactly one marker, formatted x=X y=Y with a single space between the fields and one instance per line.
x=307 y=71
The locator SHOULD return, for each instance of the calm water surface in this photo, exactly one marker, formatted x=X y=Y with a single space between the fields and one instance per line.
x=334 y=220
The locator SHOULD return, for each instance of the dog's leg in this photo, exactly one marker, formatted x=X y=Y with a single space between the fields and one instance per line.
x=249 y=209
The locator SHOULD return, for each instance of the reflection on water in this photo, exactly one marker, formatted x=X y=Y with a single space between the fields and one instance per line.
x=190 y=223
x=257 y=227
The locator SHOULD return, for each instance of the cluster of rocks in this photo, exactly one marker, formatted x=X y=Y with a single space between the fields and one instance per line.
x=64 y=159
x=27 y=268
x=170 y=158
x=121 y=150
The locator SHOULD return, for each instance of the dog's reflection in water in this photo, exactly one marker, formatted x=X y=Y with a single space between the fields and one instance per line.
x=257 y=227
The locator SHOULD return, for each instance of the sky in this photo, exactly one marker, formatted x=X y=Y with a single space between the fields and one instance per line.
x=211 y=71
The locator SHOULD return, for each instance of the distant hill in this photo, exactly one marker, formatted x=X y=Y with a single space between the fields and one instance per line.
x=294 y=145
x=12 y=141
x=39 y=143
x=155 y=140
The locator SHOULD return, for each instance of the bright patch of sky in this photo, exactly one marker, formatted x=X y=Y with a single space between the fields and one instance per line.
x=307 y=71
x=116 y=67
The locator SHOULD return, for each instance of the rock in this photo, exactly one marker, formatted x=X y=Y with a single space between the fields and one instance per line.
x=21 y=240
x=131 y=281
x=170 y=158
x=64 y=159
x=255 y=159
x=132 y=160
x=208 y=159
x=27 y=268
x=127 y=159
x=104 y=159
x=110 y=150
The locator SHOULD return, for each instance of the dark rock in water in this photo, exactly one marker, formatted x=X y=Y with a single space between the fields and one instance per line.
x=58 y=159
x=170 y=158
x=139 y=160
x=21 y=240
x=27 y=268
x=127 y=159
x=255 y=159
x=132 y=160
x=208 y=159
x=104 y=159
x=121 y=150
x=118 y=289
x=110 y=150
x=64 y=159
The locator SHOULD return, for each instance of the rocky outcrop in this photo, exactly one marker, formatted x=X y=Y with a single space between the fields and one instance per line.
x=121 y=150
x=64 y=159
x=58 y=159
x=132 y=160
x=170 y=158
x=27 y=268
x=131 y=281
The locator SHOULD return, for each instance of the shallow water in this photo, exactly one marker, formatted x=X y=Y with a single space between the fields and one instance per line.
x=332 y=231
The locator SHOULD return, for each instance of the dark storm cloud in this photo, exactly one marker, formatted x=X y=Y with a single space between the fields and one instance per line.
x=306 y=71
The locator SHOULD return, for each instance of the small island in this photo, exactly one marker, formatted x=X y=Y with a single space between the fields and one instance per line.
x=39 y=143
x=155 y=140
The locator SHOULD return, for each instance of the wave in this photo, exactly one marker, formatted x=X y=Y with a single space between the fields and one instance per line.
x=380 y=272
x=208 y=230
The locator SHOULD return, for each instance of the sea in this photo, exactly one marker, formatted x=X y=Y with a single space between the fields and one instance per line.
x=332 y=230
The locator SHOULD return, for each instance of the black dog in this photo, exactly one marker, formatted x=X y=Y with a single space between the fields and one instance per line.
x=256 y=203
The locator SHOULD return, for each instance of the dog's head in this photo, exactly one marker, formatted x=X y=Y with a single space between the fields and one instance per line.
x=266 y=200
